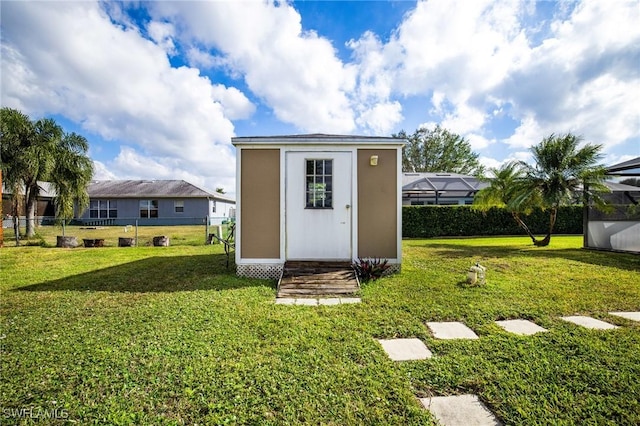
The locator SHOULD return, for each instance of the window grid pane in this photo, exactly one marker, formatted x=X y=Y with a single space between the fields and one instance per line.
x=319 y=184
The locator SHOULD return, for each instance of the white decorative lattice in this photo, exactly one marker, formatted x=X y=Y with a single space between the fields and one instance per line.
x=394 y=268
x=269 y=271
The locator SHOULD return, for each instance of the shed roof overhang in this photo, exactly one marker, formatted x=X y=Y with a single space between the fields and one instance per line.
x=317 y=139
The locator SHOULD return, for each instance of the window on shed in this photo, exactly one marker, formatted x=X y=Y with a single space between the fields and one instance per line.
x=319 y=184
x=178 y=206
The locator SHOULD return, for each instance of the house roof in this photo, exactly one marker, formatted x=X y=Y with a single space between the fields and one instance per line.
x=317 y=138
x=630 y=167
x=46 y=190
x=150 y=188
x=621 y=187
x=451 y=183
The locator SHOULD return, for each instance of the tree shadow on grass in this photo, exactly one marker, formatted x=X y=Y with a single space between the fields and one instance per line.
x=156 y=274
x=625 y=261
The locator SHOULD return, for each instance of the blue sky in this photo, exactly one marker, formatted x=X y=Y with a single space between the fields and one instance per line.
x=159 y=88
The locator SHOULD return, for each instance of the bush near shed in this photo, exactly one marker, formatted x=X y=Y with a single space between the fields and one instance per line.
x=457 y=221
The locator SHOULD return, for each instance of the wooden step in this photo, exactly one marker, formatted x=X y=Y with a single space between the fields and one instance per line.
x=317 y=279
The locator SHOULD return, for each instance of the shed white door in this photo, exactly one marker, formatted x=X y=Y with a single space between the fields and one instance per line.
x=318 y=205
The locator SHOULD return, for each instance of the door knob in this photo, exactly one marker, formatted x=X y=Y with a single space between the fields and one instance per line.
x=348 y=206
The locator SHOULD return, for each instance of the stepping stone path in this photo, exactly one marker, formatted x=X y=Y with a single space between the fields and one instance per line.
x=451 y=330
x=522 y=327
x=466 y=410
x=316 y=302
x=589 y=322
x=405 y=349
x=634 y=316
x=459 y=410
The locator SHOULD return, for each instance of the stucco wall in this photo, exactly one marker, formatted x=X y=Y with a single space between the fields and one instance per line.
x=377 y=204
x=260 y=203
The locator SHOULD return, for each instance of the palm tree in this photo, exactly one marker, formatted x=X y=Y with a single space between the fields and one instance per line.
x=40 y=159
x=71 y=175
x=16 y=132
x=504 y=191
x=41 y=151
x=561 y=171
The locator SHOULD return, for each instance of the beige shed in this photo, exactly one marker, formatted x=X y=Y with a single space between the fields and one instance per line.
x=316 y=197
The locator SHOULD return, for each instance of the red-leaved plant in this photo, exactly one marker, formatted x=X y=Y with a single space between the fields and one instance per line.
x=369 y=269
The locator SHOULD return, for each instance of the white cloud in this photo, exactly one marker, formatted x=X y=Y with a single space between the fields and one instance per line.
x=235 y=103
x=132 y=164
x=477 y=141
x=296 y=73
x=117 y=84
x=475 y=58
x=380 y=118
x=583 y=78
x=102 y=172
x=204 y=60
x=162 y=33
x=490 y=163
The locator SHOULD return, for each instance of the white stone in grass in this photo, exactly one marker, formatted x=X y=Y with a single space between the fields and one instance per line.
x=405 y=349
x=520 y=326
x=460 y=410
x=589 y=322
x=451 y=330
x=634 y=316
x=308 y=302
x=285 y=301
x=329 y=301
x=347 y=300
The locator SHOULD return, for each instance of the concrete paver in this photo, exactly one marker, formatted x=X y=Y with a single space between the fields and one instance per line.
x=329 y=301
x=310 y=302
x=520 y=326
x=589 y=322
x=405 y=349
x=451 y=330
x=635 y=316
x=460 y=410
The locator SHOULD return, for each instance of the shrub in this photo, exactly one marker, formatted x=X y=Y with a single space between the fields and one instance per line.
x=458 y=221
x=369 y=269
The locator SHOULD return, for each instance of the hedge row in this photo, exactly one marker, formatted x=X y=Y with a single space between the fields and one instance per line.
x=450 y=221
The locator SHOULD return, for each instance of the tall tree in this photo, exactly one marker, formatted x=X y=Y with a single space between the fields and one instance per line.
x=40 y=151
x=561 y=171
x=16 y=132
x=40 y=156
x=71 y=175
x=504 y=190
x=438 y=150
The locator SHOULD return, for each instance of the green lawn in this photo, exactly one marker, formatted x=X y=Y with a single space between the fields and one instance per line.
x=155 y=335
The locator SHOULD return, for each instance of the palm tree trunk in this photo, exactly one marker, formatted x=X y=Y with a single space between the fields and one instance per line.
x=552 y=223
x=524 y=226
x=32 y=204
x=1 y=214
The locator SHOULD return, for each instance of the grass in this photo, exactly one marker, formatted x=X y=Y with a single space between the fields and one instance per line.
x=167 y=335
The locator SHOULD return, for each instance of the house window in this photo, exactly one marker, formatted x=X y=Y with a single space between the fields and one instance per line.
x=103 y=209
x=319 y=184
x=213 y=206
x=178 y=206
x=148 y=208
